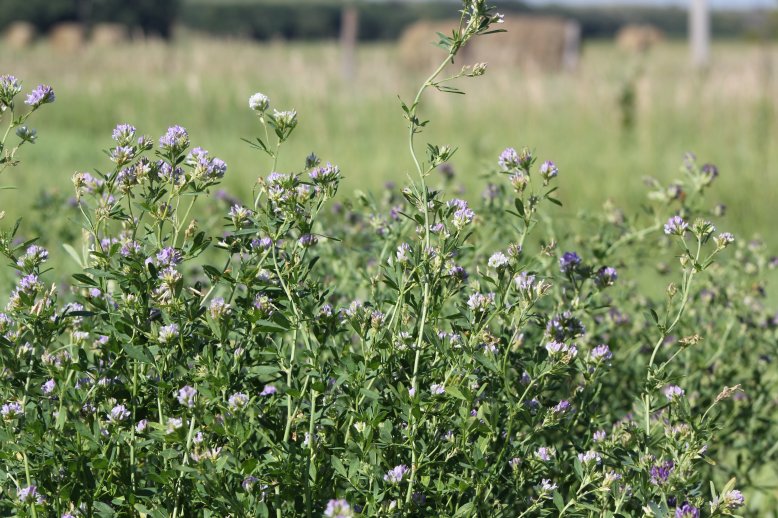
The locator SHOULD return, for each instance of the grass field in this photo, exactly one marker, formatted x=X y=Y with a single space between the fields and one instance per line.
x=726 y=116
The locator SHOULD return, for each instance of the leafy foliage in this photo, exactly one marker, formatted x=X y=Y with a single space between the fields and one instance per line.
x=416 y=358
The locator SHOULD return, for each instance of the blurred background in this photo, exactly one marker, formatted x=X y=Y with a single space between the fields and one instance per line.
x=612 y=91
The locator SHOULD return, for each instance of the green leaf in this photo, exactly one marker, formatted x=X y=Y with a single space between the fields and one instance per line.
x=465 y=510
x=519 y=207
x=338 y=466
x=454 y=391
x=559 y=501
x=72 y=253
x=103 y=509
x=80 y=277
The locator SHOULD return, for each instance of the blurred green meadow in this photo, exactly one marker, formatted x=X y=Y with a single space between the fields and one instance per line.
x=725 y=115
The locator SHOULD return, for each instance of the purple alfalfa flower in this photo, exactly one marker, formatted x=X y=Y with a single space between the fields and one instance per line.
x=169 y=257
x=545 y=454
x=34 y=256
x=710 y=172
x=601 y=352
x=49 y=386
x=457 y=272
x=673 y=392
x=733 y=499
x=396 y=474
x=10 y=86
x=491 y=348
x=169 y=173
x=264 y=305
x=515 y=462
x=661 y=472
x=325 y=175
x=175 y=140
x=264 y=243
x=561 y=407
x=173 y=424
x=118 y=413
x=676 y=226
x=605 y=276
x=239 y=215
x=29 y=495
x=187 y=395
x=457 y=202
x=338 y=509
x=437 y=389
x=687 y=510
x=377 y=319
x=248 y=483
x=130 y=249
x=123 y=134
x=307 y=240
x=548 y=170
x=30 y=284
x=168 y=333
x=42 y=94
x=462 y=217
x=554 y=348
x=437 y=228
x=217 y=168
x=599 y=436
x=403 y=253
x=589 y=457
x=508 y=160
x=565 y=327
x=218 y=308
x=723 y=240
x=141 y=425
x=268 y=390
x=238 y=401
x=195 y=155
x=524 y=282
x=11 y=410
x=569 y=263
x=479 y=302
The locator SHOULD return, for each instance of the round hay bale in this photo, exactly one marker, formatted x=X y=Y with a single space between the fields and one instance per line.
x=19 y=35
x=636 y=38
x=108 y=34
x=67 y=37
x=417 y=45
x=544 y=43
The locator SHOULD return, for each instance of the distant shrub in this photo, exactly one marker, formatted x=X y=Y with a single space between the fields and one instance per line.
x=412 y=356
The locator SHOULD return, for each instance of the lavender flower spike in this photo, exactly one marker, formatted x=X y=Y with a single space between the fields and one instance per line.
x=396 y=474
x=676 y=226
x=42 y=94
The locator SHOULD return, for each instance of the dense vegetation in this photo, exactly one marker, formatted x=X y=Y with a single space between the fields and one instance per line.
x=412 y=354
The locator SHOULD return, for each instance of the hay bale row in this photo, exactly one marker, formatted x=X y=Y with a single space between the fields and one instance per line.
x=66 y=37
x=531 y=42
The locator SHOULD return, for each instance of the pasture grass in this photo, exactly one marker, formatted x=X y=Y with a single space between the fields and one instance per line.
x=725 y=115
